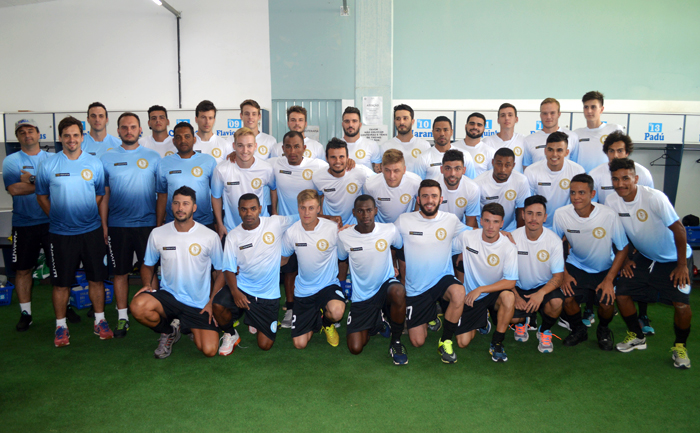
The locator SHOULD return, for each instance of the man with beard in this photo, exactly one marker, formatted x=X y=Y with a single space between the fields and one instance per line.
x=297 y=121
x=428 y=166
x=460 y=195
x=535 y=143
x=160 y=140
x=207 y=141
x=411 y=147
x=507 y=137
x=481 y=153
x=363 y=150
x=97 y=142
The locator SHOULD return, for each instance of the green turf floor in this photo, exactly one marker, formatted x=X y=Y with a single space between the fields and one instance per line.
x=118 y=386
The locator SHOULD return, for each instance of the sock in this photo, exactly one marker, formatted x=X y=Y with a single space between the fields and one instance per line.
x=576 y=321
x=99 y=316
x=498 y=338
x=289 y=305
x=228 y=327
x=602 y=321
x=396 y=331
x=642 y=308
x=547 y=322
x=681 y=334
x=61 y=322
x=633 y=325
x=326 y=321
x=494 y=316
x=123 y=314
x=163 y=327
x=27 y=306
x=449 y=330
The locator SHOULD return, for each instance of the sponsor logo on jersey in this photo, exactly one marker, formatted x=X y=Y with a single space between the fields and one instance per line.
x=405 y=198
x=175 y=172
x=493 y=197
x=307 y=174
x=523 y=253
x=441 y=234
x=642 y=215
x=436 y=164
x=479 y=158
x=285 y=172
x=381 y=245
x=61 y=174
x=197 y=171
x=300 y=244
x=623 y=215
x=268 y=238
x=195 y=249
x=510 y=195
x=461 y=202
x=86 y=174
x=234 y=183
x=246 y=246
x=360 y=153
x=119 y=164
x=573 y=231
x=544 y=183
x=542 y=256
x=415 y=233
x=169 y=248
x=542 y=146
x=142 y=163
x=599 y=232
x=322 y=245
x=351 y=188
x=27 y=167
x=607 y=188
x=493 y=260
x=583 y=139
x=328 y=189
x=356 y=249
x=473 y=251
x=383 y=199
x=256 y=183
x=564 y=183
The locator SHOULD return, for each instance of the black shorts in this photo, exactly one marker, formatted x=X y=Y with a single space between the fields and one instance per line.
x=307 y=310
x=399 y=254
x=262 y=315
x=586 y=284
x=422 y=309
x=189 y=316
x=367 y=314
x=475 y=317
x=459 y=268
x=67 y=251
x=26 y=244
x=651 y=286
x=123 y=243
x=554 y=294
x=291 y=266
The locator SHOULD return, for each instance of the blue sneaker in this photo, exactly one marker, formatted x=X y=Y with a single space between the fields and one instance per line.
x=498 y=353
x=386 y=329
x=486 y=329
x=588 y=318
x=397 y=351
x=646 y=326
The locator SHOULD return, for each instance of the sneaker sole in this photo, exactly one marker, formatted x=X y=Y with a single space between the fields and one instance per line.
x=681 y=366
x=637 y=347
x=62 y=345
x=104 y=338
x=24 y=329
x=545 y=350
x=499 y=359
x=445 y=361
x=232 y=349
x=120 y=335
x=522 y=339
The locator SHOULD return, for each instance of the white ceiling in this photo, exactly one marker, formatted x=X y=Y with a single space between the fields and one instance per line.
x=9 y=3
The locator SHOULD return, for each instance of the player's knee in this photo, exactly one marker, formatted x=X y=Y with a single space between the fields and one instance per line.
x=463 y=340
x=417 y=340
x=265 y=344
x=335 y=311
x=397 y=293
x=681 y=307
x=355 y=347
x=555 y=304
x=137 y=306
x=299 y=343
x=209 y=350
x=456 y=293
x=507 y=299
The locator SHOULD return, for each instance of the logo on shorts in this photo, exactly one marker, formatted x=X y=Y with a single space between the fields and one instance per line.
x=405 y=198
x=599 y=232
x=216 y=152
x=461 y=202
x=510 y=195
x=415 y=153
x=518 y=151
x=263 y=151
x=642 y=215
x=480 y=158
x=197 y=171
x=142 y=163
x=168 y=153
x=273 y=326
x=493 y=260
x=194 y=249
x=307 y=153
x=360 y=153
x=602 y=139
x=381 y=245
x=86 y=174
x=322 y=245
x=441 y=234
x=307 y=174
x=256 y=183
x=351 y=188
x=542 y=256
x=268 y=238
x=564 y=183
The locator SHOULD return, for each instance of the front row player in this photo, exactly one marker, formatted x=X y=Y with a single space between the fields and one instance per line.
x=187 y=251
x=375 y=288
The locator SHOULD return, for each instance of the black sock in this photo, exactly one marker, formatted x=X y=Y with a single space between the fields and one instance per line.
x=633 y=325
x=576 y=321
x=547 y=322
x=163 y=327
x=289 y=305
x=449 y=330
x=494 y=316
x=396 y=331
x=326 y=321
x=602 y=321
x=228 y=327
x=498 y=338
x=681 y=334
x=642 y=308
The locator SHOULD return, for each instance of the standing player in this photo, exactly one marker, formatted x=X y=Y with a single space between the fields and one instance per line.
x=460 y=195
x=250 y=115
x=593 y=135
x=659 y=270
x=185 y=168
x=507 y=137
x=30 y=225
x=490 y=271
x=69 y=189
x=128 y=208
x=428 y=166
x=550 y=178
x=97 y=142
x=540 y=274
x=376 y=290
x=297 y=121
x=363 y=150
x=395 y=190
x=251 y=266
x=160 y=140
x=427 y=236
x=591 y=230
x=504 y=186
x=481 y=153
x=187 y=251
x=208 y=142
x=411 y=147
x=535 y=143
x=319 y=301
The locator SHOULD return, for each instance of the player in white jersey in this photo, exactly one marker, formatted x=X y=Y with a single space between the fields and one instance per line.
x=187 y=252
x=540 y=274
x=251 y=115
x=412 y=147
x=318 y=299
x=297 y=121
x=593 y=135
x=506 y=187
x=428 y=166
x=481 y=153
x=207 y=141
x=97 y=142
x=427 y=236
x=362 y=150
x=551 y=177
x=507 y=137
x=460 y=195
x=251 y=265
x=490 y=271
x=659 y=270
x=160 y=140
x=536 y=142
x=377 y=291
x=591 y=230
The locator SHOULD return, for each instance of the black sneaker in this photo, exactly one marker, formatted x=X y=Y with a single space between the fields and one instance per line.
x=577 y=336
x=91 y=312
x=122 y=327
x=605 y=338
x=72 y=316
x=24 y=321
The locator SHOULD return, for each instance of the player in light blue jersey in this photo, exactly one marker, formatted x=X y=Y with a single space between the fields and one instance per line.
x=69 y=189
x=97 y=142
x=189 y=168
x=128 y=208
x=30 y=225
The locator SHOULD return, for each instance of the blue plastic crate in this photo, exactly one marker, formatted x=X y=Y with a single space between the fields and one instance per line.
x=6 y=293
x=80 y=297
x=693 y=235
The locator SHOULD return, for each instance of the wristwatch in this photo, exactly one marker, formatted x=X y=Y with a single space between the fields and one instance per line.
x=32 y=179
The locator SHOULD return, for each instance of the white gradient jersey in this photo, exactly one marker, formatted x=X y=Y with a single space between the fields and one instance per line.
x=428 y=166
x=552 y=185
x=482 y=155
x=164 y=148
x=370 y=257
x=186 y=259
x=646 y=220
x=293 y=179
x=411 y=150
x=365 y=152
x=591 y=238
x=516 y=144
x=463 y=201
x=510 y=194
x=265 y=144
x=536 y=143
x=339 y=193
x=392 y=202
x=314 y=150
x=255 y=255
x=427 y=245
x=485 y=263
x=602 y=180
x=98 y=148
x=590 y=145
x=217 y=147
x=538 y=260
x=317 y=254
x=231 y=181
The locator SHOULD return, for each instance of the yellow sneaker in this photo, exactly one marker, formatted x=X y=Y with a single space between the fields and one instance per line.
x=331 y=335
x=680 y=356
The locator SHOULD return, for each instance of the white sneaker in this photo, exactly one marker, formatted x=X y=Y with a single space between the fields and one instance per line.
x=228 y=343
x=631 y=342
x=564 y=324
x=287 y=321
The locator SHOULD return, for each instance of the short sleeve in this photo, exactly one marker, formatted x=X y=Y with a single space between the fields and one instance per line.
x=161 y=181
x=510 y=267
x=342 y=253
x=229 y=262
x=469 y=169
x=662 y=207
x=216 y=255
x=217 y=183
x=374 y=151
x=619 y=237
x=557 y=224
x=556 y=260
x=522 y=194
x=397 y=240
x=474 y=204
x=287 y=245
x=152 y=254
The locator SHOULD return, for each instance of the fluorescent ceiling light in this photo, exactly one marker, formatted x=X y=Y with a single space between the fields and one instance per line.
x=158 y=2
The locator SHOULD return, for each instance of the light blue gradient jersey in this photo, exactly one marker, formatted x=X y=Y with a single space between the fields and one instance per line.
x=195 y=172
x=25 y=209
x=99 y=148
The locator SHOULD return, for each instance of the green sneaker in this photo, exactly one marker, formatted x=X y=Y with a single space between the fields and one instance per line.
x=435 y=325
x=680 y=356
x=446 y=352
x=122 y=327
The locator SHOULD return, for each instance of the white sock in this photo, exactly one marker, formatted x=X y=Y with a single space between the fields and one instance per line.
x=61 y=322
x=123 y=314
x=99 y=316
x=27 y=306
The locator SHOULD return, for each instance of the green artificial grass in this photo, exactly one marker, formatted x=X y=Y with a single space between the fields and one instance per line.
x=118 y=386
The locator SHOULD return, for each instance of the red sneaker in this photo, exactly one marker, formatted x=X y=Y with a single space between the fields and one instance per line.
x=62 y=337
x=102 y=329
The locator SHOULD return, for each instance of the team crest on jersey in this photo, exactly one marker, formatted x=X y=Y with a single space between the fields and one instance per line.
x=268 y=238
x=360 y=154
x=480 y=158
x=351 y=188
x=564 y=183
x=86 y=174
x=461 y=202
x=307 y=174
x=216 y=152
x=642 y=215
x=197 y=171
x=142 y=163
x=256 y=183
x=168 y=153
x=510 y=195
x=542 y=256
x=518 y=151
x=307 y=153
x=322 y=245
x=405 y=198
x=381 y=245
x=415 y=153
x=599 y=232
x=441 y=234
x=262 y=150
x=493 y=260
x=195 y=249
x=602 y=139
